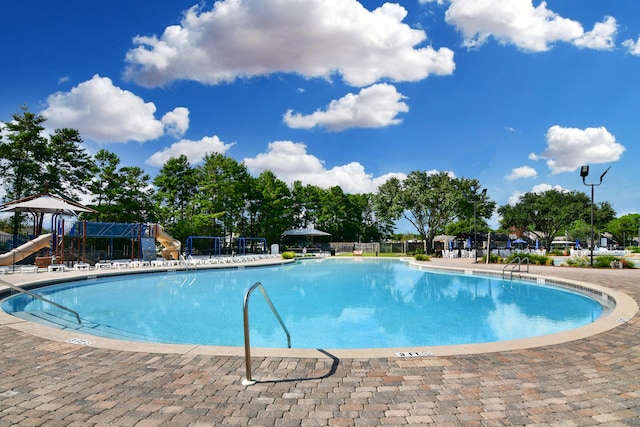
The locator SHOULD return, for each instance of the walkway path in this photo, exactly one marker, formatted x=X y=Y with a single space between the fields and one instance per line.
x=593 y=381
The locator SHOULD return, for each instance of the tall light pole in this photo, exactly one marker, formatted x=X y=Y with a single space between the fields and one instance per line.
x=584 y=172
x=475 y=231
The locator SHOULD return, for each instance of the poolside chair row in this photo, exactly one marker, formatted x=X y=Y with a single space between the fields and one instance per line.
x=228 y=260
x=183 y=262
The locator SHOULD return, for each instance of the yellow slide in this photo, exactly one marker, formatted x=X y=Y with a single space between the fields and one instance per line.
x=171 y=246
x=23 y=251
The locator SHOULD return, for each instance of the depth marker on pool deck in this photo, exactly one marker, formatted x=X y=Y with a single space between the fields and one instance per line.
x=78 y=341
x=414 y=354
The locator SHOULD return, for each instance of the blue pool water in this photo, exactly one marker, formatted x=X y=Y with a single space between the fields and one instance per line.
x=329 y=304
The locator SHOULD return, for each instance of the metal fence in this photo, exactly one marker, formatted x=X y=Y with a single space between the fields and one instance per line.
x=378 y=247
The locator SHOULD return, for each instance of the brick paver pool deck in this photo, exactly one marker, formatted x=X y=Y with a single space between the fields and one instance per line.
x=591 y=381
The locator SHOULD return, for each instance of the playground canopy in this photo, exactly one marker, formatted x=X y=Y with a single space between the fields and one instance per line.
x=45 y=203
x=305 y=232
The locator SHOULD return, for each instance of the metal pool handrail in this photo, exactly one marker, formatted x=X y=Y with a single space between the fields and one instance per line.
x=519 y=262
x=41 y=298
x=247 y=344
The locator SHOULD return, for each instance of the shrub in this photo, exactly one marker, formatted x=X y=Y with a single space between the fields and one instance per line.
x=422 y=257
x=604 y=261
x=533 y=258
x=288 y=255
x=493 y=259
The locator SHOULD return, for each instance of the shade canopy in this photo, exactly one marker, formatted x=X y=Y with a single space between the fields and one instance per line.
x=305 y=232
x=45 y=204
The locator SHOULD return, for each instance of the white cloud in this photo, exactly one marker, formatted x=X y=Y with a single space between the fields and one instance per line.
x=632 y=46
x=176 y=122
x=514 y=198
x=601 y=37
x=569 y=148
x=194 y=150
x=522 y=172
x=543 y=188
x=519 y=22
x=105 y=113
x=290 y=162
x=374 y=107
x=313 y=38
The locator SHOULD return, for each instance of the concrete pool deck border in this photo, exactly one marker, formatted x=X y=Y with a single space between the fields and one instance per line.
x=624 y=308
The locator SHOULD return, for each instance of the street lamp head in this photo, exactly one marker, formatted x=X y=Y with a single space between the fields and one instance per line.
x=604 y=173
x=484 y=192
x=584 y=171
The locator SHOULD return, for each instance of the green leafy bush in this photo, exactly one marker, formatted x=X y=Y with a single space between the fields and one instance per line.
x=493 y=259
x=288 y=255
x=534 y=259
x=422 y=257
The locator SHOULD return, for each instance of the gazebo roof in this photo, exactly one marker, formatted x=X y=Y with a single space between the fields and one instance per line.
x=45 y=203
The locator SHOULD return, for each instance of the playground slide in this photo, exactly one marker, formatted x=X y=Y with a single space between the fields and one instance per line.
x=23 y=251
x=171 y=246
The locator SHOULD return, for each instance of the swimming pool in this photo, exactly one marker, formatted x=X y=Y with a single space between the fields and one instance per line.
x=330 y=303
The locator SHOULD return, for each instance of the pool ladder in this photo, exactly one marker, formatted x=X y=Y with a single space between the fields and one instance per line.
x=41 y=298
x=247 y=345
x=515 y=263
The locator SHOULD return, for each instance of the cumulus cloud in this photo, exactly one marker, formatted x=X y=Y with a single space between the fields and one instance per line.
x=543 y=188
x=522 y=172
x=314 y=38
x=632 y=46
x=194 y=150
x=176 y=122
x=519 y=22
x=105 y=113
x=601 y=37
x=569 y=148
x=514 y=198
x=290 y=162
x=374 y=107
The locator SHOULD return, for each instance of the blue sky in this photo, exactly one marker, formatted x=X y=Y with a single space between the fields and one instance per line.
x=516 y=93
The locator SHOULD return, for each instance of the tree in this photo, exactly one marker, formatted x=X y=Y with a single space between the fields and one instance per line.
x=135 y=199
x=224 y=189
x=547 y=215
x=120 y=194
x=105 y=185
x=69 y=166
x=272 y=208
x=30 y=163
x=307 y=200
x=624 y=228
x=176 y=184
x=429 y=202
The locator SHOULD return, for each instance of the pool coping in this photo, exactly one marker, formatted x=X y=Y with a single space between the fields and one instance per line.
x=625 y=308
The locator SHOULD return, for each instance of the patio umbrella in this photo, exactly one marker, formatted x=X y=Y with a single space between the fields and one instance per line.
x=577 y=244
x=469 y=242
x=509 y=244
x=450 y=245
x=537 y=244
